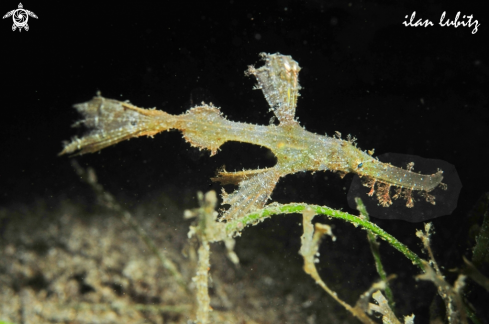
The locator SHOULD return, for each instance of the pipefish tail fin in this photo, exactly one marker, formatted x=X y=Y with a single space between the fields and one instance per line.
x=111 y=121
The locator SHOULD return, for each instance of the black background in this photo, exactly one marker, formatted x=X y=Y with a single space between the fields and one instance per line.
x=409 y=90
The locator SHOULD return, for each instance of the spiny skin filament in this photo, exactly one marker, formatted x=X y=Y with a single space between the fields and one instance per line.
x=418 y=211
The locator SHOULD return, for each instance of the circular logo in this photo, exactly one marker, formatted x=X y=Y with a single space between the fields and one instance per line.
x=20 y=17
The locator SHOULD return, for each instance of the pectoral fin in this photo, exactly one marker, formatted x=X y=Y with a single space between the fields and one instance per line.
x=235 y=178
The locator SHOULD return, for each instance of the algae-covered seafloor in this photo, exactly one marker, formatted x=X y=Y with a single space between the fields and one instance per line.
x=78 y=264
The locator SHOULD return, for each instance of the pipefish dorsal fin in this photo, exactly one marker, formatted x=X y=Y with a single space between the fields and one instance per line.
x=279 y=81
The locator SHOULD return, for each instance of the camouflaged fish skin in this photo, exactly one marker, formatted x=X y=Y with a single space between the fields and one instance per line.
x=111 y=121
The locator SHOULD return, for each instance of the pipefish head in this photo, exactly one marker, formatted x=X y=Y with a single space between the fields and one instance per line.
x=357 y=161
x=360 y=166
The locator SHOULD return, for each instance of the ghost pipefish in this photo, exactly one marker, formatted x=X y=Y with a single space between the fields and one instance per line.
x=110 y=121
